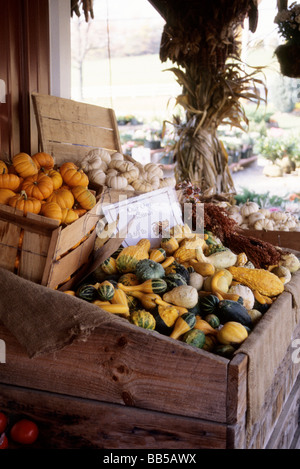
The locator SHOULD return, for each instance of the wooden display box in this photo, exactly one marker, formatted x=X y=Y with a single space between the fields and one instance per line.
x=38 y=249
x=283 y=239
x=126 y=387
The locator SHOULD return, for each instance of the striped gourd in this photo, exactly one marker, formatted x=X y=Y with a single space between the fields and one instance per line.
x=106 y=291
x=109 y=266
x=87 y=292
x=143 y=318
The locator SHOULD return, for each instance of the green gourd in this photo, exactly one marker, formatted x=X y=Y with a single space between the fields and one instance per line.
x=212 y=320
x=177 y=268
x=106 y=291
x=195 y=338
x=208 y=304
x=174 y=280
x=148 y=269
x=229 y=310
x=143 y=318
x=156 y=285
x=87 y=292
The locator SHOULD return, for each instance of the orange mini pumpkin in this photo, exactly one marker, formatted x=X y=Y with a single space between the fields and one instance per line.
x=5 y=195
x=24 y=165
x=39 y=186
x=63 y=197
x=73 y=175
x=43 y=160
x=68 y=216
x=26 y=204
x=56 y=179
x=84 y=197
x=52 y=210
x=9 y=181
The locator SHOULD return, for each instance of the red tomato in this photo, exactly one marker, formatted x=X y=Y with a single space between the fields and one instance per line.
x=3 y=422
x=24 y=431
x=3 y=441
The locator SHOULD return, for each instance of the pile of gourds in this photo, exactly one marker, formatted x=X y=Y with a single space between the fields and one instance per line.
x=250 y=216
x=190 y=288
x=32 y=184
x=116 y=172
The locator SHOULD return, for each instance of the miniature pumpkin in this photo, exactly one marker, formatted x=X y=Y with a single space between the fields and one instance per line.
x=56 y=178
x=5 y=195
x=52 y=210
x=143 y=318
x=142 y=186
x=146 y=269
x=116 y=182
x=84 y=197
x=63 y=197
x=39 y=186
x=24 y=165
x=9 y=181
x=26 y=204
x=43 y=161
x=248 y=208
x=68 y=216
x=72 y=175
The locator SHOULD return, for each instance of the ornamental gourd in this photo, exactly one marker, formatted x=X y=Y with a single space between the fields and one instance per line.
x=184 y=295
x=183 y=324
x=195 y=338
x=131 y=255
x=232 y=333
x=143 y=318
x=147 y=269
x=262 y=280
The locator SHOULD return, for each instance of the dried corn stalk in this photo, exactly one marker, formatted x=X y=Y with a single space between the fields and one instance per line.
x=202 y=39
x=87 y=7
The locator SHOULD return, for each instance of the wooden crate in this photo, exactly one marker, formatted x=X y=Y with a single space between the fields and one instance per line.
x=50 y=254
x=283 y=239
x=69 y=129
x=129 y=388
x=37 y=249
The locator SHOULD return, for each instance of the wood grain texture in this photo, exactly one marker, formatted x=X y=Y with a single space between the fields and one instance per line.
x=283 y=239
x=121 y=364
x=75 y=423
x=69 y=129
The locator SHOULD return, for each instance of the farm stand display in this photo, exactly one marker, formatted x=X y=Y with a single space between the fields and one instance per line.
x=97 y=364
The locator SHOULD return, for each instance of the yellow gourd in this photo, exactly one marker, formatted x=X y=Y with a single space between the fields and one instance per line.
x=204 y=326
x=260 y=280
x=170 y=245
x=119 y=297
x=215 y=289
x=113 y=308
x=232 y=333
x=130 y=255
x=203 y=268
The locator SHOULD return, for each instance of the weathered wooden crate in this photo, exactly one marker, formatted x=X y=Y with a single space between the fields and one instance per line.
x=35 y=247
x=283 y=239
x=38 y=249
x=129 y=388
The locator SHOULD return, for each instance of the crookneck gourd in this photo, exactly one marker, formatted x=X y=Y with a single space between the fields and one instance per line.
x=261 y=280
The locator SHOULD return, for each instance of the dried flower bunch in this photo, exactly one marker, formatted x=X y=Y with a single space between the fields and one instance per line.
x=87 y=7
x=288 y=21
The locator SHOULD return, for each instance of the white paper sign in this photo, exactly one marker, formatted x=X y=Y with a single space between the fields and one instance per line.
x=149 y=215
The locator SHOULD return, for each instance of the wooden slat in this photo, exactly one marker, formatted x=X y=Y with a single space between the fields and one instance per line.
x=282 y=239
x=237 y=389
x=33 y=256
x=122 y=364
x=73 y=423
x=73 y=234
x=68 y=129
x=9 y=241
x=69 y=264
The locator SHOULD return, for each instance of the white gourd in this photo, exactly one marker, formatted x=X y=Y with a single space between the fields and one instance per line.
x=154 y=169
x=97 y=176
x=248 y=208
x=264 y=224
x=116 y=182
x=245 y=293
x=167 y=182
x=117 y=156
x=254 y=217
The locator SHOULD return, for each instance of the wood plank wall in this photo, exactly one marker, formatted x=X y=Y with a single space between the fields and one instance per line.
x=24 y=67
